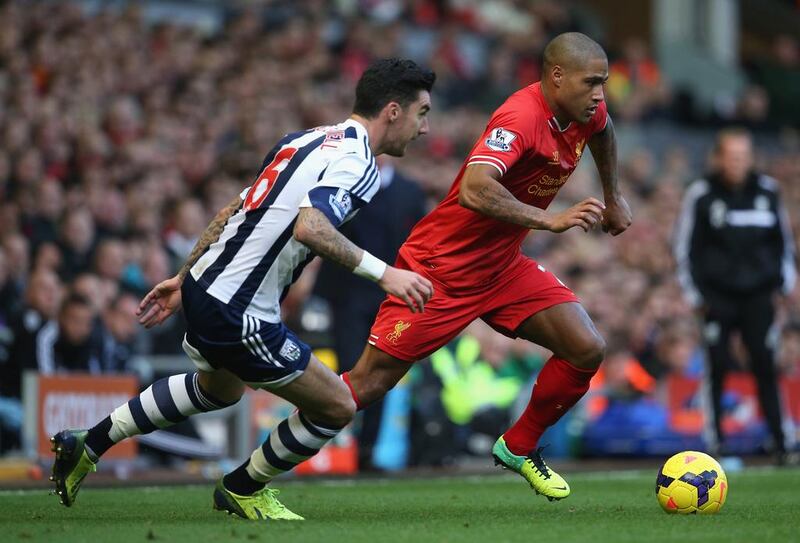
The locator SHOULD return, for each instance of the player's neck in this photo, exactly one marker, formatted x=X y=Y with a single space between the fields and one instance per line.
x=374 y=130
x=561 y=118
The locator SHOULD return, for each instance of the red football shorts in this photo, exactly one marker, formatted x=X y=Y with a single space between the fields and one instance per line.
x=524 y=289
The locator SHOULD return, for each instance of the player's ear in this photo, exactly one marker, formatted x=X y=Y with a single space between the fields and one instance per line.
x=393 y=111
x=557 y=74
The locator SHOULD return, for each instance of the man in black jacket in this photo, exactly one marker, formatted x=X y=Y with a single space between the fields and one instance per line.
x=735 y=253
x=379 y=228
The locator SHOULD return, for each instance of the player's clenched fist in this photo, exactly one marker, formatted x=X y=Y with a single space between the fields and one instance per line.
x=410 y=287
x=585 y=214
x=617 y=216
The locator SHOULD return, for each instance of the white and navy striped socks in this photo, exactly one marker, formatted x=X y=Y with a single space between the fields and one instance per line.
x=293 y=441
x=164 y=403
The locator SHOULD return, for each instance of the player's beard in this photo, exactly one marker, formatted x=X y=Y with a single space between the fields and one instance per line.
x=397 y=151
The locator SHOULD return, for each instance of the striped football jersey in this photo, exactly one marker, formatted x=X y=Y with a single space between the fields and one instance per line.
x=256 y=258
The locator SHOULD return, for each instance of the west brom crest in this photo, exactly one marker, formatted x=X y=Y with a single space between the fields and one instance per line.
x=290 y=350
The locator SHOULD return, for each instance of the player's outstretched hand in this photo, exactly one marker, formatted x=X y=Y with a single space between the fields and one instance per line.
x=617 y=216
x=160 y=303
x=585 y=214
x=412 y=288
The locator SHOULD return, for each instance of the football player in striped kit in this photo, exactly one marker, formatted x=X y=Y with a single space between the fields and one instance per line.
x=232 y=284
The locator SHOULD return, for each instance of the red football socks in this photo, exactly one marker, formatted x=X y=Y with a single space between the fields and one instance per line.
x=558 y=387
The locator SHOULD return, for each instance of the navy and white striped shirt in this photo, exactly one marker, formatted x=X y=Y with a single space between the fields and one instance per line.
x=256 y=258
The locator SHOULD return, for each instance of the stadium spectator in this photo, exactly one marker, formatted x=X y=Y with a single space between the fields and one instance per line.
x=77 y=241
x=155 y=266
x=110 y=260
x=90 y=287
x=779 y=74
x=48 y=256
x=676 y=349
x=27 y=347
x=41 y=226
x=119 y=343
x=752 y=110
x=77 y=346
x=9 y=299
x=33 y=331
x=622 y=407
x=467 y=391
x=188 y=223
x=17 y=250
x=636 y=89
x=736 y=252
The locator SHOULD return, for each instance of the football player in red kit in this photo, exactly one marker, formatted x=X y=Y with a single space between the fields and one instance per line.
x=469 y=248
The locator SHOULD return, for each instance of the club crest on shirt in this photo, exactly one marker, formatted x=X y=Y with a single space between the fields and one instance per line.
x=579 y=150
x=500 y=139
x=290 y=350
x=341 y=203
x=399 y=328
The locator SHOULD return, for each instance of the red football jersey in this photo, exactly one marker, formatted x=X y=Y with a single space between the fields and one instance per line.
x=463 y=249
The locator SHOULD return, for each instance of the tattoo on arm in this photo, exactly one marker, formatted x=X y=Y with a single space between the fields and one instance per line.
x=494 y=200
x=325 y=240
x=604 y=152
x=210 y=235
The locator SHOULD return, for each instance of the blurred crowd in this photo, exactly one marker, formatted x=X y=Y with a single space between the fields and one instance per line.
x=121 y=138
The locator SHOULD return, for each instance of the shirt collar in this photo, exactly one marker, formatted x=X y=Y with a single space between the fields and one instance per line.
x=552 y=122
x=361 y=132
x=360 y=128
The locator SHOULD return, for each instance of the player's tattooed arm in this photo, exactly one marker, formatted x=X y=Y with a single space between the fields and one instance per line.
x=315 y=231
x=164 y=299
x=482 y=192
x=617 y=215
x=211 y=234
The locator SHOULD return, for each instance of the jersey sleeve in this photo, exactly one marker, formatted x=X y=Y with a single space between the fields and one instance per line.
x=503 y=142
x=345 y=186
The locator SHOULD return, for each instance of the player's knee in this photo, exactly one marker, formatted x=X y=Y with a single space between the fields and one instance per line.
x=222 y=384
x=591 y=353
x=341 y=412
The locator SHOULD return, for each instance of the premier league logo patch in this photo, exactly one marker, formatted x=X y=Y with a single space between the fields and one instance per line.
x=341 y=203
x=500 y=139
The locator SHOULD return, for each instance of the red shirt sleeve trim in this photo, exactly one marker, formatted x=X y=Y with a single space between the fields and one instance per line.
x=487 y=159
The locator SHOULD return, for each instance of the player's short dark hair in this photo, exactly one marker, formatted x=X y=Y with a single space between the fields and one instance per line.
x=390 y=80
x=571 y=49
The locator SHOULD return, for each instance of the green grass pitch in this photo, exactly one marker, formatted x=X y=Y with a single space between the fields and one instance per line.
x=612 y=507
